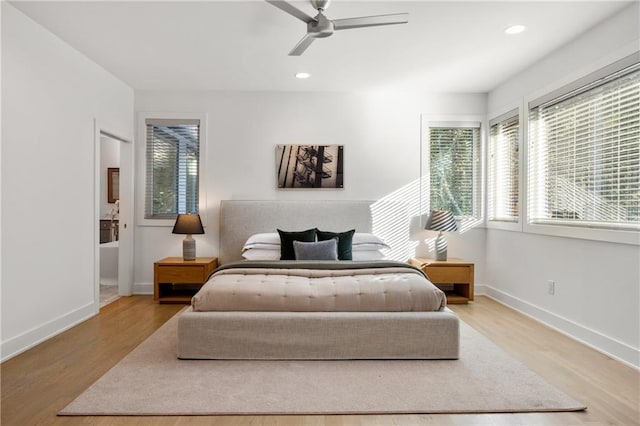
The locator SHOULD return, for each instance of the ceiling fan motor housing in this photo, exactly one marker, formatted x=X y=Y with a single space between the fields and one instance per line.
x=321 y=27
x=320 y=4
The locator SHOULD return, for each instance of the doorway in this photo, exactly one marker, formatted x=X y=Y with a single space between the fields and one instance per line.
x=113 y=249
x=109 y=219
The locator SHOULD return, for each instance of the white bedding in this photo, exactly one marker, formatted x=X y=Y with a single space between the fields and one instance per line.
x=390 y=289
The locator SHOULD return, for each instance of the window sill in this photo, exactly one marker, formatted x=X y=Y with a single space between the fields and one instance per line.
x=163 y=223
x=504 y=225
x=607 y=235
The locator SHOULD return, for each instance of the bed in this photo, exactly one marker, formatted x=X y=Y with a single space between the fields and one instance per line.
x=313 y=309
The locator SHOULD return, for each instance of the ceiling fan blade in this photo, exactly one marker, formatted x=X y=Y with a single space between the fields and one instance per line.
x=302 y=45
x=370 y=21
x=291 y=10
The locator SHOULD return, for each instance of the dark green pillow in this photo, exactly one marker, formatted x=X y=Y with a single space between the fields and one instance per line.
x=345 y=240
x=287 y=238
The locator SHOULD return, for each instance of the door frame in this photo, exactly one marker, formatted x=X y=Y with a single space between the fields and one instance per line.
x=126 y=223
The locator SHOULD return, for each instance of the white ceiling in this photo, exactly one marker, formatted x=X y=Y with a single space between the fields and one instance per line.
x=453 y=46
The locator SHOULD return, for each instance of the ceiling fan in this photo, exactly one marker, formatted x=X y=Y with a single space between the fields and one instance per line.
x=320 y=26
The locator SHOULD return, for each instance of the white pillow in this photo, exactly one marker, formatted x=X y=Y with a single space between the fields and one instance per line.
x=369 y=247
x=368 y=241
x=264 y=240
x=261 y=254
x=262 y=246
x=271 y=241
x=268 y=254
x=368 y=255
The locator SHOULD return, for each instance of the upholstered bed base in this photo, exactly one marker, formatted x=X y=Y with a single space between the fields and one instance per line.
x=313 y=335
x=318 y=335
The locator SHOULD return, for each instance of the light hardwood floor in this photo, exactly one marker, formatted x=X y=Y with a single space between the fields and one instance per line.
x=41 y=381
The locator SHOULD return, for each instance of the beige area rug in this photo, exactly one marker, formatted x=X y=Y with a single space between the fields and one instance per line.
x=152 y=381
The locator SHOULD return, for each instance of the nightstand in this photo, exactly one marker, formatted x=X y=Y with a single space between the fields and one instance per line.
x=176 y=280
x=453 y=276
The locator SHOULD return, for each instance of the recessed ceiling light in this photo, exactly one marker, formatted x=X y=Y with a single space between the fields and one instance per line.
x=515 y=29
x=303 y=75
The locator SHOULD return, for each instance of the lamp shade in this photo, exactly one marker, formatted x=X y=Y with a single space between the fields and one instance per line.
x=441 y=220
x=188 y=224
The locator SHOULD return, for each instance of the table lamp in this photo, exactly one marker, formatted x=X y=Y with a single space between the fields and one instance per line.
x=441 y=220
x=188 y=224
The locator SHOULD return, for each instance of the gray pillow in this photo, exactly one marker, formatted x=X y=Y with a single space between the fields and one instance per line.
x=321 y=250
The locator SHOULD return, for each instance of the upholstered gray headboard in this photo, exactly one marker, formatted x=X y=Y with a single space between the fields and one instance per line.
x=240 y=219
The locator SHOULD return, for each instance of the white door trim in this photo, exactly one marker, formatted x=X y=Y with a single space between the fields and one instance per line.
x=125 y=249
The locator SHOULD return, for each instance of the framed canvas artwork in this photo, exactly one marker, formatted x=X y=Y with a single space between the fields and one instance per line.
x=310 y=166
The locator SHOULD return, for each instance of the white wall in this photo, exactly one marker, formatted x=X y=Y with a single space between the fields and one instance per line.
x=109 y=157
x=380 y=132
x=597 y=283
x=50 y=96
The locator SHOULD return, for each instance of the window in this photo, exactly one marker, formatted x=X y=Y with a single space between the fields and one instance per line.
x=172 y=152
x=585 y=153
x=454 y=168
x=504 y=168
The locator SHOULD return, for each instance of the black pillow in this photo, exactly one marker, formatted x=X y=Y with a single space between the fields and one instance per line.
x=345 y=240
x=287 y=239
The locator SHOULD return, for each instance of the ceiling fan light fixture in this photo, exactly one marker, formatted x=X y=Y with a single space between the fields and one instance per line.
x=303 y=75
x=515 y=29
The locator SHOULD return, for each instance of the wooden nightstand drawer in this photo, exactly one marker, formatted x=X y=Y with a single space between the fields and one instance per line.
x=181 y=274
x=177 y=280
x=447 y=274
x=453 y=276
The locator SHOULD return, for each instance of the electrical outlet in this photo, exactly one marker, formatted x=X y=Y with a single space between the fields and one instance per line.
x=551 y=287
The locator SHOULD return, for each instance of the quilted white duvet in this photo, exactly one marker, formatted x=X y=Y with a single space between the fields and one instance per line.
x=372 y=289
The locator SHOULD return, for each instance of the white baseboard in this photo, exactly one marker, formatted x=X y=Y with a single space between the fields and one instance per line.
x=18 y=344
x=611 y=347
x=480 y=289
x=143 y=289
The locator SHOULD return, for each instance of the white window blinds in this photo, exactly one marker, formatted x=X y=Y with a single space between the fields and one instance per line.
x=504 y=168
x=173 y=149
x=585 y=154
x=454 y=168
